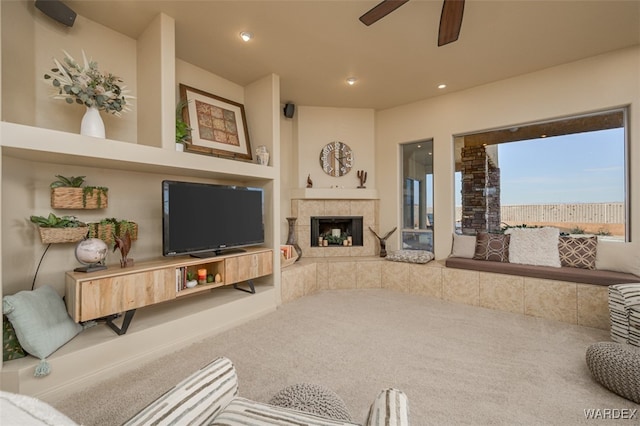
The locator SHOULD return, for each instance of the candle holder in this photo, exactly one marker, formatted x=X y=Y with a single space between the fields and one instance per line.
x=202 y=276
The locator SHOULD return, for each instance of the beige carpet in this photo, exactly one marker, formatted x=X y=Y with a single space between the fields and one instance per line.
x=458 y=364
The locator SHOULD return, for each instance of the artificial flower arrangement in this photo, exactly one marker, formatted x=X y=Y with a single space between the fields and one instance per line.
x=86 y=85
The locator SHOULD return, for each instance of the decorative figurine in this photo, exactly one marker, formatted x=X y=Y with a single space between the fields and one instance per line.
x=309 y=182
x=383 y=241
x=362 y=175
x=124 y=244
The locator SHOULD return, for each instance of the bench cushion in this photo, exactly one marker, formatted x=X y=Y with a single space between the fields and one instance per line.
x=576 y=275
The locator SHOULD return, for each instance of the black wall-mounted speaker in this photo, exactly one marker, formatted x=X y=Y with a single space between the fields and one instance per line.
x=289 y=109
x=57 y=10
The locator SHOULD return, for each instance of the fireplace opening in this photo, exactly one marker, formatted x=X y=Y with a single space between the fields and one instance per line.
x=336 y=231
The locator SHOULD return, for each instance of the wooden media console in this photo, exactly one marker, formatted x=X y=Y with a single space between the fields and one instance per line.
x=109 y=293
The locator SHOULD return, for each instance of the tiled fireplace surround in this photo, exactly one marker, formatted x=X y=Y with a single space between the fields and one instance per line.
x=328 y=268
x=304 y=210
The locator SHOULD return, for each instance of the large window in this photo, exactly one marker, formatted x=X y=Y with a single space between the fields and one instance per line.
x=417 y=191
x=570 y=173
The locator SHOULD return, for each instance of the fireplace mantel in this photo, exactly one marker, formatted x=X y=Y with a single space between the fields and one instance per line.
x=334 y=194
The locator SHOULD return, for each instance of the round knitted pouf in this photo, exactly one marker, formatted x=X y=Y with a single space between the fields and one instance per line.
x=616 y=366
x=314 y=399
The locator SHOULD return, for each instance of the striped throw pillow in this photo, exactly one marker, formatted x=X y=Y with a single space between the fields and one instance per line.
x=391 y=408
x=197 y=400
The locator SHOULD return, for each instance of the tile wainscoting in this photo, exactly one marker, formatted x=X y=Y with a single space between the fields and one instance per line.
x=573 y=303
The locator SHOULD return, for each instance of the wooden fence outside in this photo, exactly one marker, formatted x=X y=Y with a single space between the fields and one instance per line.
x=602 y=213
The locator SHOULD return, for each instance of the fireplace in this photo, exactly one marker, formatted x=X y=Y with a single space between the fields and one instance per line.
x=306 y=210
x=342 y=231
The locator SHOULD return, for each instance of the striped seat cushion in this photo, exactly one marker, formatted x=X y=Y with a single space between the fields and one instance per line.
x=197 y=400
x=243 y=412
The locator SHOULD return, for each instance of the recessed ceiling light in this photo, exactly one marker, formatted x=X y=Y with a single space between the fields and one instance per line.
x=246 y=36
x=442 y=86
x=351 y=81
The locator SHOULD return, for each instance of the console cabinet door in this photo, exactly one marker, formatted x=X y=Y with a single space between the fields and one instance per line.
x=245 y=267
x=107 y=296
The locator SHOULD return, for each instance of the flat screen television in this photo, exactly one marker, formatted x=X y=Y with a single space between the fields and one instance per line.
x=203 y=220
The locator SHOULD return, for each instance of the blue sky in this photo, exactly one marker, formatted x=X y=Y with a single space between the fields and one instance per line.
x=578 y=168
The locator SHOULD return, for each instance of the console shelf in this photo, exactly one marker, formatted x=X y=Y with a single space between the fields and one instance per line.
x=111 y=292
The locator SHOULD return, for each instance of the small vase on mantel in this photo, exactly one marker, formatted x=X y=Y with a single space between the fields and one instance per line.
x=92 y=124
x=291 y=239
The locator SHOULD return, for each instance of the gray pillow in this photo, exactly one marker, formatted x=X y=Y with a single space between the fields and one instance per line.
x=463 y=246
x=41 y=322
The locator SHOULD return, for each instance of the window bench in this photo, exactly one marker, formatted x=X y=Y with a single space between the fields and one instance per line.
x=555 y=298
x=574 y=275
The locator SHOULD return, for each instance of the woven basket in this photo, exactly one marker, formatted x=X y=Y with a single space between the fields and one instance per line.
x=75 y=198
x=105 y=231
x=62 y=235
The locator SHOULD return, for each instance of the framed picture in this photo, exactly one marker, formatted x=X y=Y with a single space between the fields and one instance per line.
x=218 y=125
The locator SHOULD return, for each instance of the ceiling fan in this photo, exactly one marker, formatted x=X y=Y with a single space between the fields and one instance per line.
x=450 y=18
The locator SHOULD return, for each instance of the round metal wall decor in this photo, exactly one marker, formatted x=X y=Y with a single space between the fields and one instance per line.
x=336 y=158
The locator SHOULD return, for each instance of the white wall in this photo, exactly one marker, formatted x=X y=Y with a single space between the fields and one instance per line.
x=317 y=126
x=30 y=41
x=601 y=82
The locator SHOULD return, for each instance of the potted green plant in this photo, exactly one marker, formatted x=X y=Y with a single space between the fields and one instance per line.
x=191 y=280
x=68 y=193
x=183 y=131
x=59 y=229
x=107 y=228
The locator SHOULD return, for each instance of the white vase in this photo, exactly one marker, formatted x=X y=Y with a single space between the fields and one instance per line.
x=179 y=147
x=92 y=124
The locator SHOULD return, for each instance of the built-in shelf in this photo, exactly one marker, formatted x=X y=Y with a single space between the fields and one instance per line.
x=52 y=146
x=98 y=353
x=334 y=194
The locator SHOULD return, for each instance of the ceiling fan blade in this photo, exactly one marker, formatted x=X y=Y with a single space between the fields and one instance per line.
x=381 y=10
x=450 y=21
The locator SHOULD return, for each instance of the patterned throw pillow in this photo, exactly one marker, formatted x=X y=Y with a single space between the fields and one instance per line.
x=493 y=247
x=534 y=246
x=11 y=348
x=578 y=252
x=410 y=256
